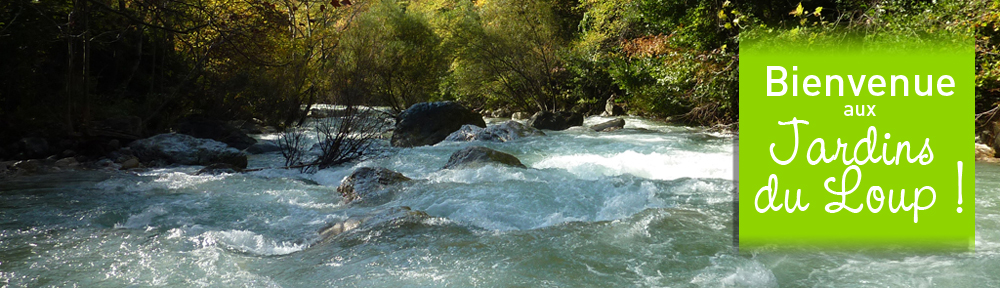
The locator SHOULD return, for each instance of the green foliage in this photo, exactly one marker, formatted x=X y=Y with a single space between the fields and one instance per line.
x=389 y=56
x=264 y=59
x=666 y=57
x=508 y=55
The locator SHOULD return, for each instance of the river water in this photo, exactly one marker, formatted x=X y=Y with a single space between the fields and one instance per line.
x=648 y=206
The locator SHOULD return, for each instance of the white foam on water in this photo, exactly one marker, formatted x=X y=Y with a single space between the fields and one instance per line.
x=246 y=241
x=627 y=204
x=558 y=218
x=330 y=177
x=143 y=219
x=650 y=166
x=488 y=173
x=170 y=179
x=729 y=271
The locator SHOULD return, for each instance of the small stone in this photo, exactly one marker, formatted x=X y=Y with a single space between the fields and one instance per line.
x=130 y=163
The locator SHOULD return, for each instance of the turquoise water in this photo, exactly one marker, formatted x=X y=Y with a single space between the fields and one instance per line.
x=647 y=206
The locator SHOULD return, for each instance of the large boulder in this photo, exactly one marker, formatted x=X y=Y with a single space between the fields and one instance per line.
x=477 y=156
x=370 y=185
x=202 y=127
x=617 y=123
x=502 y=132
x=431 y=122
x=174 y=148
x=555 y=120
x=393 y=217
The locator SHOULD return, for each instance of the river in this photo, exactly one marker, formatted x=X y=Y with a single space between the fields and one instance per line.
x=646 y=206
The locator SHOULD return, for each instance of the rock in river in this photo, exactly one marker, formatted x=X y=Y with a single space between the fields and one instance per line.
x=476 y=156
x=617 y=123
x=555 y=120
x=385 y=218
x=370 y=185
x=431 y=122
x=173 y=148
x=502 y=132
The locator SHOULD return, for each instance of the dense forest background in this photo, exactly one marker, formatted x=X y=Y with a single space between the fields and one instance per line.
x=79 y=67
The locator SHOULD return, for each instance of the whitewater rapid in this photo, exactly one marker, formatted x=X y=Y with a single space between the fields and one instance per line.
x=648 y=205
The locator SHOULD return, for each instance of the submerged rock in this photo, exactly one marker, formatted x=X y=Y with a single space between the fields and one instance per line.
x=617 y=123
x=477 y=156
x=502 y=132
x=431 y=122
x=385 y=218
x=130 y=162
x=173 y=148
x=555 y=120
x=201 y=127
x=369 y=185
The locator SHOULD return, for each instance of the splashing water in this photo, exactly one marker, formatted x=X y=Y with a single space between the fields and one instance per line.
x=649 y=205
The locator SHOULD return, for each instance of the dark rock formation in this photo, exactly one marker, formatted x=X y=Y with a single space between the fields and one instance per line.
x=555 y=120
x=431 y=122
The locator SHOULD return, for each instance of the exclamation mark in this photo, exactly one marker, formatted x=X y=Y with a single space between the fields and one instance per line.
x=959 y=186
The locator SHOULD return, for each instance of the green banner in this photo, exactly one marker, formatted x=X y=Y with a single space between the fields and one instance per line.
x=857 y=145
